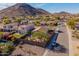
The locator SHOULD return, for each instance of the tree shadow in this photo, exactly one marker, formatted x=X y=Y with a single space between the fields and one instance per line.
x=19 y=55
x=60 y=31
x=59 y=48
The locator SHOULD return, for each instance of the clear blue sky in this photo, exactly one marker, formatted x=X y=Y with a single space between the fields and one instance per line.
x=58 y=7
x=51 y=7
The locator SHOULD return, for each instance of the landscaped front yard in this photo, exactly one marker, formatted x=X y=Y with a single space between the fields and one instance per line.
x=39 y=37
x=17 y=35
x=6 y=47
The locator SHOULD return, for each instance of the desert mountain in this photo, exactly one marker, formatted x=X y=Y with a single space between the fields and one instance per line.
x=22 y=9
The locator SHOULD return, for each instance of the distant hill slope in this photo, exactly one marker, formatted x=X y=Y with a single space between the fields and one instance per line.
x=62 y=13
x=22 y=9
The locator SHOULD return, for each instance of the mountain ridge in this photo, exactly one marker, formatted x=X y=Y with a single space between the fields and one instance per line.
x=22 y=9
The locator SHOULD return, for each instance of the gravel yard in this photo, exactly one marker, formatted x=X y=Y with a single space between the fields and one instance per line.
x=28 y=50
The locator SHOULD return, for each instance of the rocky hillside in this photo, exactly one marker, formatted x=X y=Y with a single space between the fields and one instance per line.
x=22 y=9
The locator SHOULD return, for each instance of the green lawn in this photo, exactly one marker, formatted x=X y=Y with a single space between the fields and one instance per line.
x=17 y=35
x=40 y=36
x=1 y=33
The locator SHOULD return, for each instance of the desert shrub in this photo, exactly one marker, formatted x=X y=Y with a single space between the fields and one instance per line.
x=71 y=23
x=40 y=35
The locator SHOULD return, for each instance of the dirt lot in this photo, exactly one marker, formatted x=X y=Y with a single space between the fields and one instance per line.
x=75 y=45
x=28 y=50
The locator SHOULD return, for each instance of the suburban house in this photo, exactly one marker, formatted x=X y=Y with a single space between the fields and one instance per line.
x=17 y=28
x=43 y=23
x=24 y=22
x=25 y=28
x=77 y=26
x=12 y=26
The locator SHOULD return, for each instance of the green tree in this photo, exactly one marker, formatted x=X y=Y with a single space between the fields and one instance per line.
x=71 y=23
x=18 y=19
x=6 y=20
x=37 y=23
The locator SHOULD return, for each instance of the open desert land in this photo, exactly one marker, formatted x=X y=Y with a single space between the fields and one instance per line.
x=26 y=30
